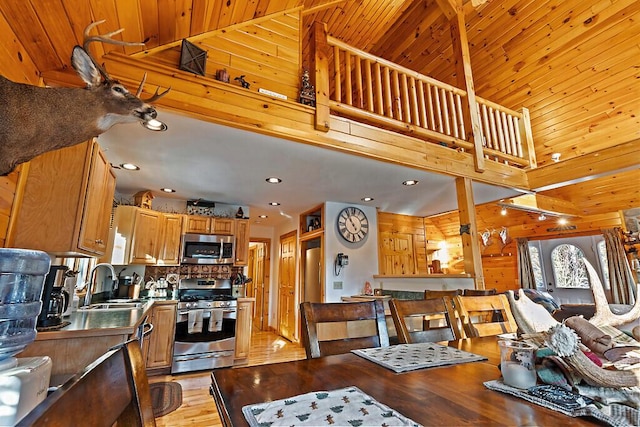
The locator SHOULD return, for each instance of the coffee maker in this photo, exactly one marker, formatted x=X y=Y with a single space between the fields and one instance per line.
x=55 y=299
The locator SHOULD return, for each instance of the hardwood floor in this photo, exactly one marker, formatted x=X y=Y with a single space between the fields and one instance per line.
x=198 y=408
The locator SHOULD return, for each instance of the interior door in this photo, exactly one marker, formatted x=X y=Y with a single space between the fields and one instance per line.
x=286 y=286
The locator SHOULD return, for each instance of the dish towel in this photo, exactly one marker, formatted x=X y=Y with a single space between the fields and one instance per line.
x=194 y=321
x=215 y=321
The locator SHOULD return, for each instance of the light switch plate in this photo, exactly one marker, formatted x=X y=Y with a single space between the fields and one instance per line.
x=337 y=285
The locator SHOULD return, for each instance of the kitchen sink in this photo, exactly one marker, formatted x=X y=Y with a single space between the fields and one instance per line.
x=112 y=306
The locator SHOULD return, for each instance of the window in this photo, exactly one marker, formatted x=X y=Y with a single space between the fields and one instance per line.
x=536 y=264
x=604 y=265
x=568 y=268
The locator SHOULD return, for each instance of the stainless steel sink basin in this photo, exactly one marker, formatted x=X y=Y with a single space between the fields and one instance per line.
x=112 y=306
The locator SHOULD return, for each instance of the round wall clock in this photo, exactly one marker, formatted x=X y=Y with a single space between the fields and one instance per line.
x=353 y=224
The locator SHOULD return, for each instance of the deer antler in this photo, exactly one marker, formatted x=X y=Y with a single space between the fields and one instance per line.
x=155 y=96
x=105 y=38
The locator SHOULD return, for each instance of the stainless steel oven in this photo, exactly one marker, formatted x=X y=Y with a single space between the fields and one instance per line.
x=207 y=249
x=206 y=325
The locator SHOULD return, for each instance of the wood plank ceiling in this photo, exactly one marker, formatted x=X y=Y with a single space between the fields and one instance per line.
x=574 y=63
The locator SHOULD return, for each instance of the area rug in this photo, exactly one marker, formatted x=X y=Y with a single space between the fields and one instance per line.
x=166 y=397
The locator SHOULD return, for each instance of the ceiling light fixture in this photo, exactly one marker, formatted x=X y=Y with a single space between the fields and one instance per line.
x=168 y=190
x=273 y=180
x=542 y=217
x=503 y=211
x=410 y=182
x=130 y=166
x=263 y=216
x=154 y=125
x=367 y=199
x=274 y=204
x=555 y=157
x=563 y=221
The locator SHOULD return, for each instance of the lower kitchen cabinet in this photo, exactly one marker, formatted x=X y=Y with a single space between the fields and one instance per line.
x=244 y=319
x=159 y=347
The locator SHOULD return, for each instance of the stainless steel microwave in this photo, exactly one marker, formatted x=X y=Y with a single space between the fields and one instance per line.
x=207 y=249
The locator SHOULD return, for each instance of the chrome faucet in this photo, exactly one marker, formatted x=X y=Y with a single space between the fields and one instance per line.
x=87 y=297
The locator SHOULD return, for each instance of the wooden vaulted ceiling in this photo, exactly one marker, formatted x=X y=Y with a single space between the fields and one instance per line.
x=573 y=63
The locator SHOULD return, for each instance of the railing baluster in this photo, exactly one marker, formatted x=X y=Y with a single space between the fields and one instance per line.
x=432 y=118
x=500 y=133
x=397 y=108
x=463 y=134
x=512 y=135
x=379 y=97
x=348 y=88
x=445 y=111
x=359 y=94
x=454 y=115
x=505 y=131
x=388 y=99
x=337 y=74
x=421 y=105
x=369 y=84
x=404 y=95
x=436 y=96
x=516 y=124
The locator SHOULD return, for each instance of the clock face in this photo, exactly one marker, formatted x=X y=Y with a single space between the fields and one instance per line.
x=353 y=224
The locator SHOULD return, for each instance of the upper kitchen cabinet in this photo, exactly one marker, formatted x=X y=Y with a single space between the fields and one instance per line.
x=67 y=202
x=242 y=242
x=136 y=236
x=312 y=223
x=169 y=247
x=208 y=225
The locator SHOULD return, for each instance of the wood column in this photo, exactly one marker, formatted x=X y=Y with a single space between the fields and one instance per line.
x=462 y=59
x=320 y=77
x=469 y=231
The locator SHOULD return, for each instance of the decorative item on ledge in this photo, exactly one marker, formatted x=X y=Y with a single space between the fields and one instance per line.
x=222 y=75
x=143 y=199
x=200 y=207
x=307 y=91
x=192 y=58
x=245 y=84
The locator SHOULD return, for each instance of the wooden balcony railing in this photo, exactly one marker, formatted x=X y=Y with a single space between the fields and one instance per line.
x=379 y=92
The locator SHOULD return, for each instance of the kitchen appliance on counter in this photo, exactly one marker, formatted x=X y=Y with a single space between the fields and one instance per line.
x=207 y=249
x=23 y=381
x=55 y=299
x=205 y=325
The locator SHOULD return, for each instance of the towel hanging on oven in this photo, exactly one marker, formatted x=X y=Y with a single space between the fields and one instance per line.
x=194 y=321
x=215 y=321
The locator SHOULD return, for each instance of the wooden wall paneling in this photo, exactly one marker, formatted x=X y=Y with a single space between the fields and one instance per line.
x=166 y=16
x=149 y=16
x=105 y=10
x=16 y=63
x=201 y=16
x=129 y=18
x=183 y=18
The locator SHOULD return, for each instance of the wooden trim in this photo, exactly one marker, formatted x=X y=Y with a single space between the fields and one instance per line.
x=23 y=171
x=470 y=244
x=320 y=50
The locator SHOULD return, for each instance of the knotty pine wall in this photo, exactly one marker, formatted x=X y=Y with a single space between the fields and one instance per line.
x=265 y=51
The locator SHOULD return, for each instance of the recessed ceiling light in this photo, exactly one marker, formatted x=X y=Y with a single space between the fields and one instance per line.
x=503 y=211
x=562 y=221
x=154 y=125
x=542 y=217
x=410 y=182
x=263 y=216
x=130 y=166
x=367 y=199
x=273 y=180
x=168 y=190
x=274 y=203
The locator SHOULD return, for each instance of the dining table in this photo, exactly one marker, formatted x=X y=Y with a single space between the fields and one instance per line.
x=452 y=395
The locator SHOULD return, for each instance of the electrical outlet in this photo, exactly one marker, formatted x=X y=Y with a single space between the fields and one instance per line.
x=337 y=285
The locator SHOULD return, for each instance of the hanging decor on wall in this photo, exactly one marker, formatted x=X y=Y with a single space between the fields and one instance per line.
x=192 y=58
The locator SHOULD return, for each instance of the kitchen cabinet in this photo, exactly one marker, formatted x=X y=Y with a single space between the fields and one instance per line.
x=169 y=247
x=208 y=225
x=67 y=202
x=158 y=348
x=136 y=234
x=242 y=242
x=244 y=325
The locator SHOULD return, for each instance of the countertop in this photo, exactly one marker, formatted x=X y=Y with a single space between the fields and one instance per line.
x=103 y=322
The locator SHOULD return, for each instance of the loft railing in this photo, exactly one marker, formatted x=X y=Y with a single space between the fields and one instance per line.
x=379 y=92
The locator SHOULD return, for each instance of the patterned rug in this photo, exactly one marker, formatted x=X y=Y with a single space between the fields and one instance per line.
x=166 y=397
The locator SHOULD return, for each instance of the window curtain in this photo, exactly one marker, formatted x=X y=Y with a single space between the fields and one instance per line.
x=623 y=288
x=525 y=269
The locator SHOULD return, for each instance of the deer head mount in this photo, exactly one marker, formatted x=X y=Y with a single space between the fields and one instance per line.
x=35 y=120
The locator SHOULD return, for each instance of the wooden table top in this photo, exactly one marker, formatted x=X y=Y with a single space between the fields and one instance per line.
x=448 y=395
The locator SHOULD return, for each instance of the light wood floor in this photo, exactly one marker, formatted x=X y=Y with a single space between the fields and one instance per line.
x=198 y=407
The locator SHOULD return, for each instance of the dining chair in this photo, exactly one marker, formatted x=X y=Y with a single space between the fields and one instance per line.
x=336 y=328
x=112 y=389
x=479 y=292
x=429 y=293
x=427 y=320
x=479 y=317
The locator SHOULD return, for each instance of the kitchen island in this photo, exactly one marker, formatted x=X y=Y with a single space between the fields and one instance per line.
x=89 y=335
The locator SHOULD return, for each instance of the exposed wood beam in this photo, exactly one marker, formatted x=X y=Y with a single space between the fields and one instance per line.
x=469 y=231
x=319 y=7
x=464 y=75
x=449 y=7
x=541 y=204
x=621 y=158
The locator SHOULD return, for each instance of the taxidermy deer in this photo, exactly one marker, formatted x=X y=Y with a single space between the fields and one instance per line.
x=34 y=120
